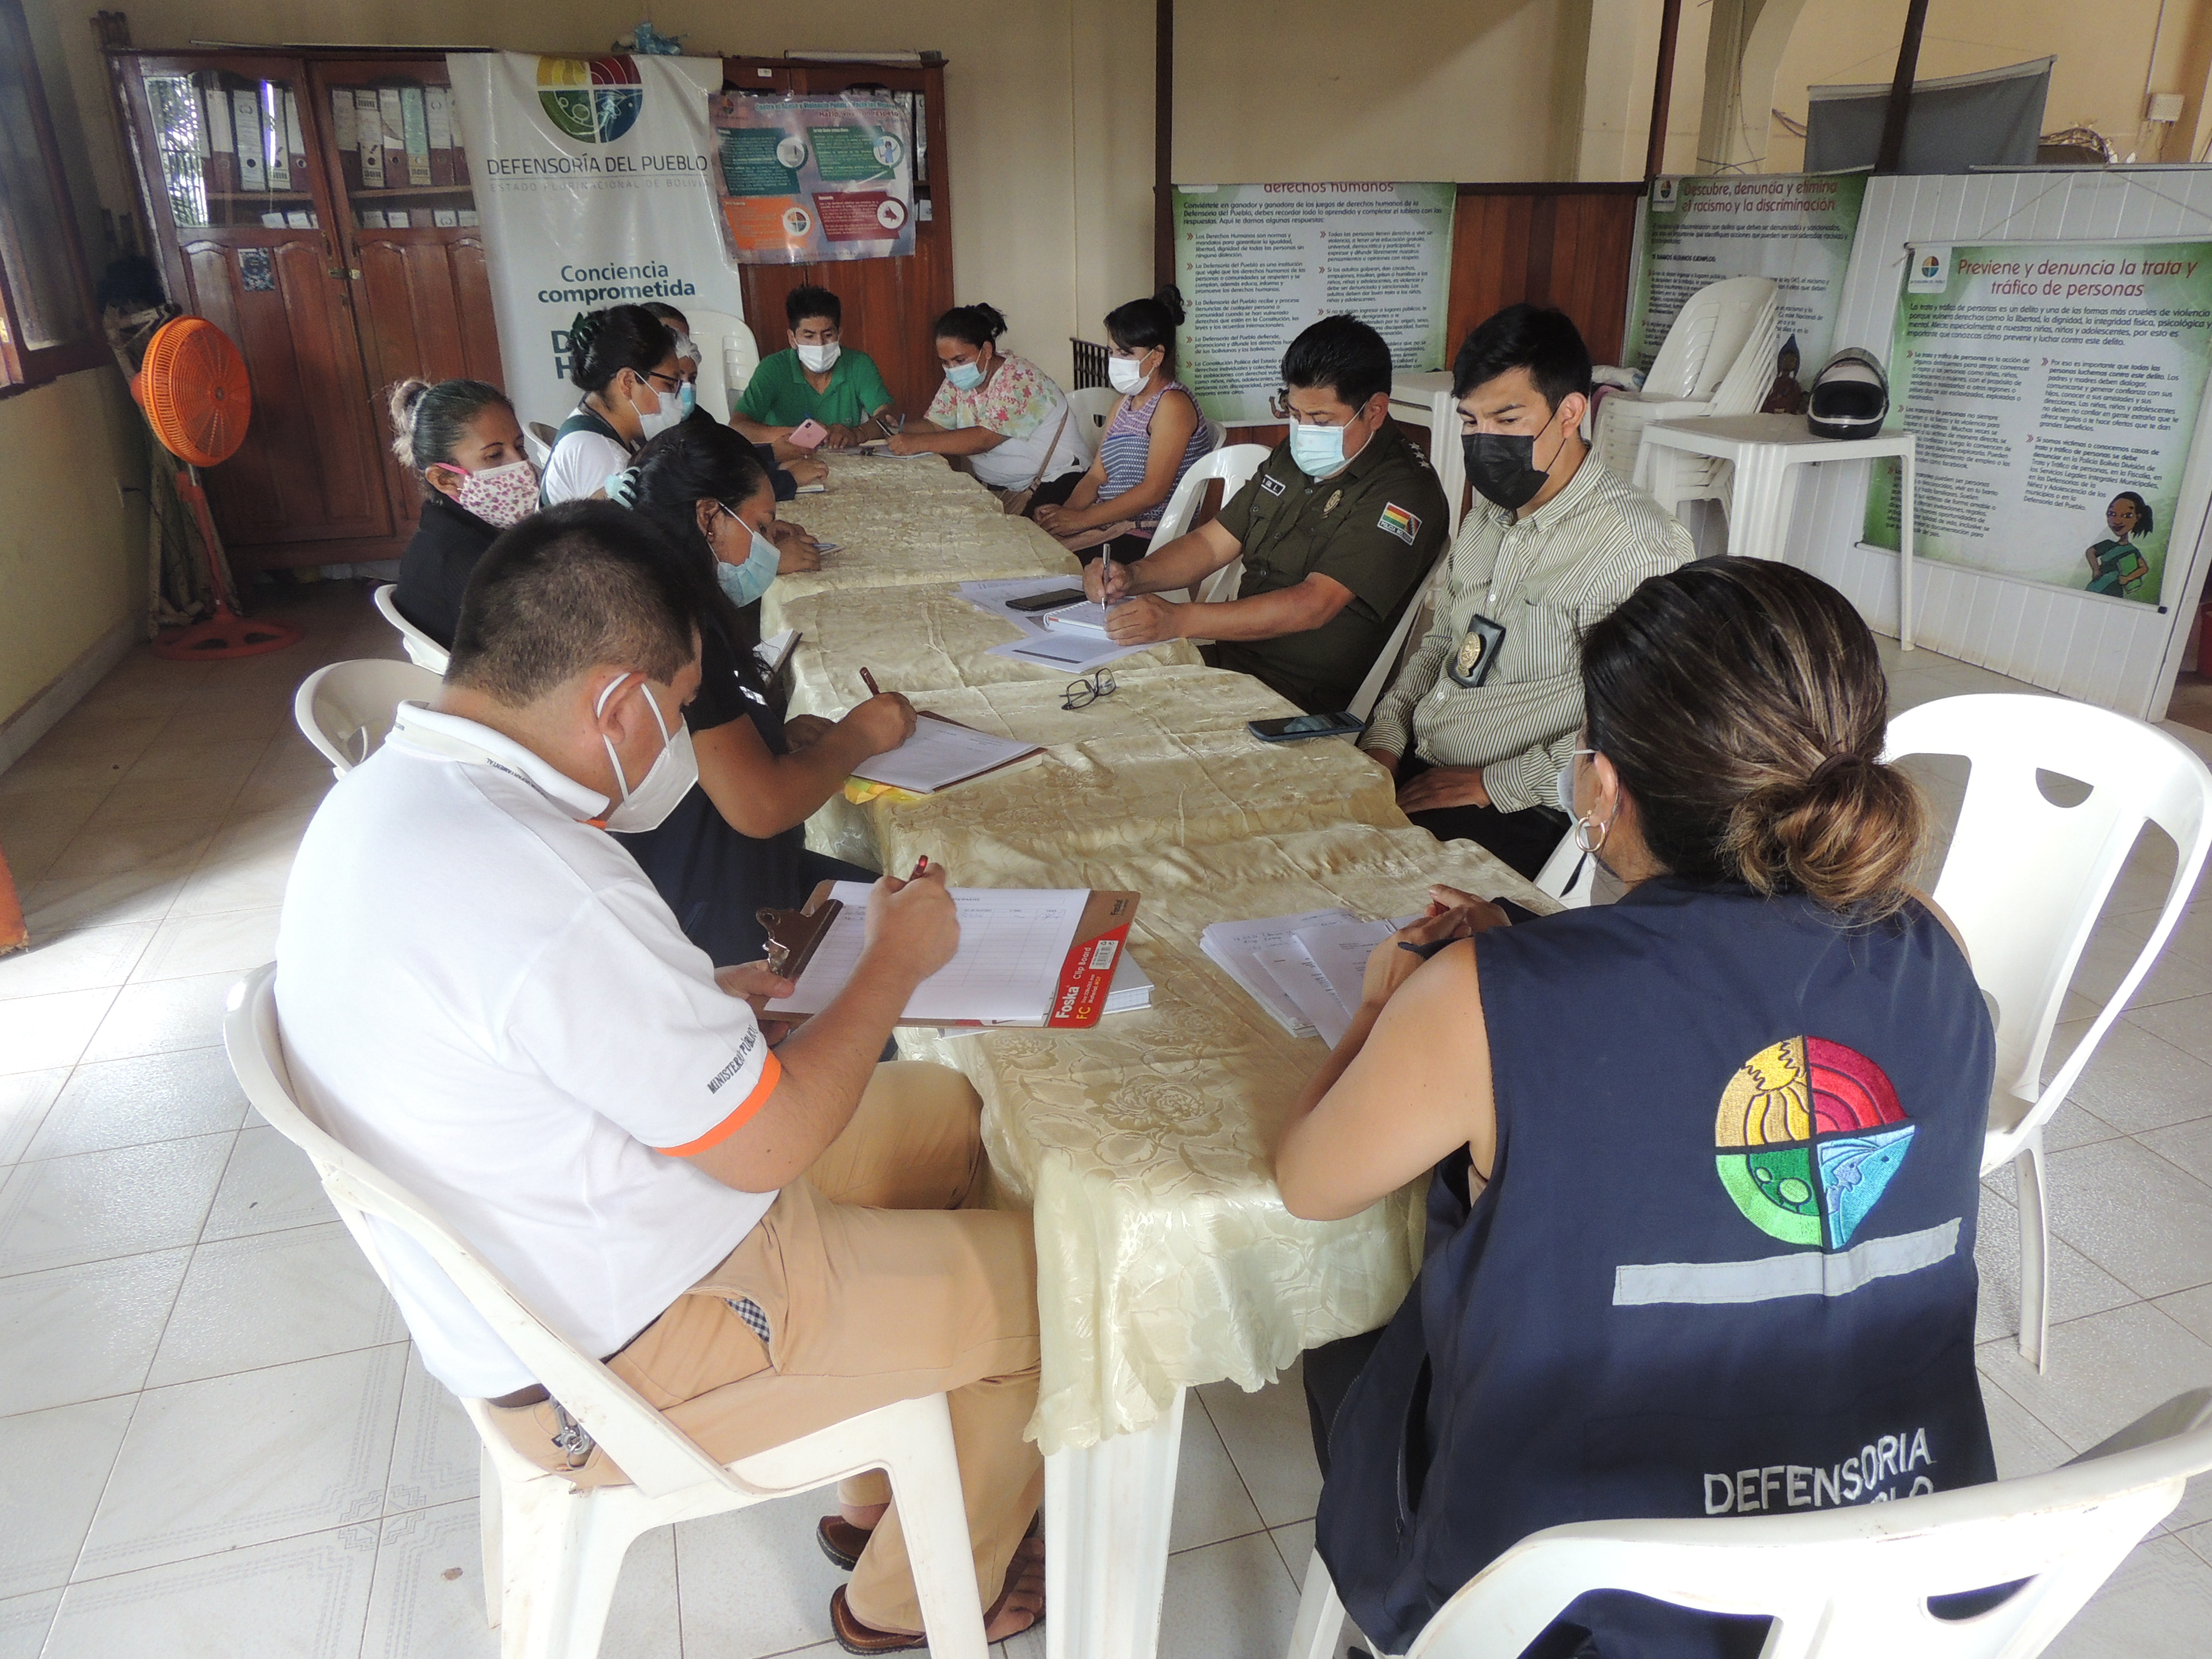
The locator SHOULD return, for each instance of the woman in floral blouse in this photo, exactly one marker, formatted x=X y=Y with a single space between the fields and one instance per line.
x=1004 y=414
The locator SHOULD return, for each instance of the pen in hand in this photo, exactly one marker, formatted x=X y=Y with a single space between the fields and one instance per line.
x=869 y=680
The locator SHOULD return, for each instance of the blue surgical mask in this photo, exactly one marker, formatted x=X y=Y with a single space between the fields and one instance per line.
x=688 y=400
x=965 y=377
x=1564 y=785
x=746 y=582
x=1318 y=450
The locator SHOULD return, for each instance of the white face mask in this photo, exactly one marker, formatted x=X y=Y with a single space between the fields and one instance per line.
x=502 y=496
x=1125 y=374
x=670 y=411
x=665 y=782
x=818 y=359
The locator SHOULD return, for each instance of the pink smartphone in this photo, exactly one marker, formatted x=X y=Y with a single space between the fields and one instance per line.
x=808 y=434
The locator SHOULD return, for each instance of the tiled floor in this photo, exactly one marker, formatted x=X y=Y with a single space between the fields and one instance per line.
x=214 y=1439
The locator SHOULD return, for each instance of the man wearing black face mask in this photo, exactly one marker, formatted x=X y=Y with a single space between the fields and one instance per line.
x=1484 y=714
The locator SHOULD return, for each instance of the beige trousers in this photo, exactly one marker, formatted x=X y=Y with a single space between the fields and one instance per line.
x=880 y=1281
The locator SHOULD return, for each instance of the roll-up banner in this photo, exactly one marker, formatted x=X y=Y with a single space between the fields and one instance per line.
x=594 y=179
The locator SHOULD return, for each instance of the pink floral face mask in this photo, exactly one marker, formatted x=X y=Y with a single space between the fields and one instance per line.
x=502 y=496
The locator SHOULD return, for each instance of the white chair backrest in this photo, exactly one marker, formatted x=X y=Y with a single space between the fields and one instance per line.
x=1750 y=374
x=1378 y=678
x=420 y=647
x=712 y=332
x=1089 y=409
x=1569 y=875
x=1845 y=1583
x=535 y=448
x=1234 y=465
x=2024 y=879
x=346 y=710
x=1706 y=337
x=646 y=1446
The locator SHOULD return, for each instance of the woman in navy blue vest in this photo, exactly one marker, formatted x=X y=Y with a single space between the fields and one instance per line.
x=1701 y=1225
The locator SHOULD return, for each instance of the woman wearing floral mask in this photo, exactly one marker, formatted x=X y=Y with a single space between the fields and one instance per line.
x=623 y=360
x=460 y=437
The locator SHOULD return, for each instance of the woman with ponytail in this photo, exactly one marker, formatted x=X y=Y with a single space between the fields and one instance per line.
x=1154 y=437
x=460 y=437
x=736 y=842
x=1704 y=1161
x=623 y=360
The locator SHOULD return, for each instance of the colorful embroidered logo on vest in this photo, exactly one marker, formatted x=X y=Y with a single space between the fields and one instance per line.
x=1809 y=1134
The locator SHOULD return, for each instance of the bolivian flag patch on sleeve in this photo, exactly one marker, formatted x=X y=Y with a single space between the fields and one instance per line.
x=1399 y=523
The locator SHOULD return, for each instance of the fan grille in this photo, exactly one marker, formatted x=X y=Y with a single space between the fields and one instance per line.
x=195 y=391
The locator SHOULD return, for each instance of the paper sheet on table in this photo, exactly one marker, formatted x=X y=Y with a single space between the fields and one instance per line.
x=1339 y=952
x=1313 y=996
x=1078 y=653
x=1234 y=946
x=940 y=754
x=1013 y=942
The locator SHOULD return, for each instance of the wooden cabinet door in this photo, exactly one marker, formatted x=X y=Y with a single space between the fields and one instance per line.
x=240 y=214
x=408 y=230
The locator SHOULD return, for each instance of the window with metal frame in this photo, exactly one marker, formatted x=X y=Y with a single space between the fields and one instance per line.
x=48 y=324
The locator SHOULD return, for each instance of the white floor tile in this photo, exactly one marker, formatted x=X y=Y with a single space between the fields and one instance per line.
x=2157 y=1605
x=1295 y=1544
x=25 y=1097
x=2136 y=1081
x=2186 y=1026
x=24 y=1621
x=230 y=759
x=2133 y=1213
x=143 y=894
x=436 y=1456
x=246 y=865
x=273 y=1298
x=1210 y=1503
x=155 y=801
x=645 y=1621
x=1229 y=1601
x=1270 y=1440
x=50 y=813
x=2111 y=955
x=227 y=942
x=294 y=1598
x=2104 y=1371
x=216 y=1465
x=754 y=1582
x=83 y=960
x=291 y=778
x=99 y=1205
x=56 y=1464
x=82 y=1333
x=2199 y=1540
x=429 y=1594
x=36 y=774
x=2023 y=1446
x=2189 y=1145
x=128 y=1102
x=102 y=849
x=2192 y=1307
x=165 y=1014
x=269 y=1185
x=40 y=1033
x=105 y=733
x=2078 y=1285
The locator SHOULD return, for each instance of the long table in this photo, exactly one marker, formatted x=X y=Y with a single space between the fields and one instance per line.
x=1165 y=1258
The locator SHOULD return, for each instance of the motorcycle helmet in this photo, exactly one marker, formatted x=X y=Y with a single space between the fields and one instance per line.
x=1850 y=397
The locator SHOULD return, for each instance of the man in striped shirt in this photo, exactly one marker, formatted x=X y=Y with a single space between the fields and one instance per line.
x=1484 y=712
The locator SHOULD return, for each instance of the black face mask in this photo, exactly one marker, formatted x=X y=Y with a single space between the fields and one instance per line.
x=1501 y=466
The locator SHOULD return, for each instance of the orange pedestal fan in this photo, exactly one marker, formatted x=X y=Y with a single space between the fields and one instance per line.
x=193 y=387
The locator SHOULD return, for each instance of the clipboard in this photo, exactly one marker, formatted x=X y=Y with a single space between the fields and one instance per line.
x=1086 y=975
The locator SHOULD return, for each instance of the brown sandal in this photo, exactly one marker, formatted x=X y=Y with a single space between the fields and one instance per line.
x=855 y=1637
x=841 y=1541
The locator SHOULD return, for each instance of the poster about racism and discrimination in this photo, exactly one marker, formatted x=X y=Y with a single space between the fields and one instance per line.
x=803 y=178
x=2054 y=389
x=1794 y=228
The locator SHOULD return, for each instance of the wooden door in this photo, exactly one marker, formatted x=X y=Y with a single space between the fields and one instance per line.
x=888 y=304
x=240 y=215
x=409 y=235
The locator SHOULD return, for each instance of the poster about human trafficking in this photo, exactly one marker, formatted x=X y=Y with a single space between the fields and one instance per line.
x=2054 y=390
x=803 y=178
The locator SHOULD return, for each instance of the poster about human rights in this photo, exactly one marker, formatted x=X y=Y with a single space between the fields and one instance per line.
x=2054 y=389
x=804 y=178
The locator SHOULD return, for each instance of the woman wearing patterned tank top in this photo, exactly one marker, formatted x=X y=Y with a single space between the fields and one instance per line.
x=1701 y=1224
x=1155 y=436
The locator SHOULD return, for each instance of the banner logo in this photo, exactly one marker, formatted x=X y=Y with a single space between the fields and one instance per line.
x=593 y=101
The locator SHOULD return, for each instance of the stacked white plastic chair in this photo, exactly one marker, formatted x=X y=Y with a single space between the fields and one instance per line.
x=728 y=355
x=1089 y=409
x=552 y=1552
x=1717 y=359
x=420 y=647
x=346 y=710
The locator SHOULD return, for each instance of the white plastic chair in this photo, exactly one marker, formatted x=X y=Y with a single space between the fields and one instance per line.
x=420 y=647
x=1570 y=874
x=1717 y=359
x=1089 y=409
x=1386 y=664
x=1233 y=464
x=2024 y=881
x=1842 y=1583
x=537 y=448
x=726 y=343
x=552 y=1552
x=346 y=710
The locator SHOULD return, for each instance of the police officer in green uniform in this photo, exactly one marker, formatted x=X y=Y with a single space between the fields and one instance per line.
x=1336 y=531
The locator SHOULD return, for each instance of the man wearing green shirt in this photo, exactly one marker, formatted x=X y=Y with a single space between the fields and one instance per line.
x=816 y=379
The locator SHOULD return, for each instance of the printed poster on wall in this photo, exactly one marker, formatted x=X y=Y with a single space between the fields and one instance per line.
x=1257 y=263
x=1795 y=227
x=802 y=179
x=2054 y=390
x=593 y=177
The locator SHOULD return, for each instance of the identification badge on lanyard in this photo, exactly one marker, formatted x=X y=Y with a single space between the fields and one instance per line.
x=1478 y=648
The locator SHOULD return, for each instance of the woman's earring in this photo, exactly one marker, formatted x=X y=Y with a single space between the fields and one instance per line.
x=1583 y=840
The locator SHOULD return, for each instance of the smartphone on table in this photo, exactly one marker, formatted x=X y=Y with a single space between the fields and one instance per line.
x=1294 y=728
x=1051 y=601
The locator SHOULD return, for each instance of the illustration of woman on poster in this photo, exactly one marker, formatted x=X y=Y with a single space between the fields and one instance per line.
x=2118 y=566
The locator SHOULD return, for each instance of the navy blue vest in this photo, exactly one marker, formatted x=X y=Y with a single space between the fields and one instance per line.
x=1725 y=1262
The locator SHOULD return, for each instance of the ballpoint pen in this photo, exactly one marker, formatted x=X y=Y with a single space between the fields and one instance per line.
x=869 y=680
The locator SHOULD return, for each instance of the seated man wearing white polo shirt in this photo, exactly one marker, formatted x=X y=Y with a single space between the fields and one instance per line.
x=483 y=994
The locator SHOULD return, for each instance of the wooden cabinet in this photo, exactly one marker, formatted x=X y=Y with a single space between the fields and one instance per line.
x=890 y=304
x=341 y=258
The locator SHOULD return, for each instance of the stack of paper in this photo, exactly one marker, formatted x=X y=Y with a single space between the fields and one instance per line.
x=1074 y=651
x=1088 y=617
x=1132 y=988
x=1306 y=970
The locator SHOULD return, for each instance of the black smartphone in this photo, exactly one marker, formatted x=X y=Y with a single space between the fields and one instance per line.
x=1294 y=727
x=1047 y=601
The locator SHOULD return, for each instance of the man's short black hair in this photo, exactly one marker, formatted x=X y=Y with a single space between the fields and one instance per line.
x=569 y=589
x=1343 y=354
x=808 y=300
x=1543 y=340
